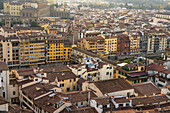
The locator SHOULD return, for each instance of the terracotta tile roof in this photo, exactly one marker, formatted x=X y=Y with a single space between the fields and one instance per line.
x=94 y=38
x=3 y=100
x=25 y=72
x=78 y=96
x=91 y=69
x=77 y=65
x=65 y=75
x=121 y=100
x=36 y=90
x=112 y=85
x=101 y=64
x=102 y=100
x=137 y=73
x=154 y=67
x=166 y=71
x=47 y=103
x=126 y=111
x=149 y=100
x=134 y=64
x=24 y=82
x=54 y=69
x=17 y=109
x=81 y=80
x=148 y=88
x=84 y=110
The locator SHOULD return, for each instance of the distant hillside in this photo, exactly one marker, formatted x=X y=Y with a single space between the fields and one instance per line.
x=139 y=1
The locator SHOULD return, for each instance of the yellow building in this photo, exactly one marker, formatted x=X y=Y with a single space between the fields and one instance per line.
x=110 y=44
x=13 y=8
x=134 y=43
x=94 y=44
x=32 y=49
x=67 y=81
x=59 y=50
x=29 y=29
x=132 y=73
x=51 y=2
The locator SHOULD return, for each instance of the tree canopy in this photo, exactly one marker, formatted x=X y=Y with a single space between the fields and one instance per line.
x=34 y=24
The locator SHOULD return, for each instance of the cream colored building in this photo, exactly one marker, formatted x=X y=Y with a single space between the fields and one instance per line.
x=157 y=42
x=134 y=43
x=110 y=87
x=13 y=8
x=163 y=15
x=14 y=92
x=110 y=44
x=5 y=50
x=8 y=32
x=4 y=81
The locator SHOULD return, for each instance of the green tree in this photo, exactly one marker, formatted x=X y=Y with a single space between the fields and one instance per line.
x=2 y=22
x=34 y=24
x=56 y=5
x=1 y=4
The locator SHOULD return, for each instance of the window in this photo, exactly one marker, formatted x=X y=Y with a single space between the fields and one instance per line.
x=134 y=81
x=81 y=103
x=128 y=94
x=68 y=89
x=74 y=79
x=13 y=92
x=74 y=88
x=61 y=85
x=107 y=73
x=162 y=80
x=13 y=85
x=120 y=105
x=70 y=80
x=4 y=94
x=104 y=106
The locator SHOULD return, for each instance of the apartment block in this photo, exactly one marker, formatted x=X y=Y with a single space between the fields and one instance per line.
x=133 y=73
x=123 y=44
x=32 y=49
x=134 y=43
x=26 y=11
x=94 y=44
x=4 y=81
x=58 y=50
x=110 y=44
x=5 y=50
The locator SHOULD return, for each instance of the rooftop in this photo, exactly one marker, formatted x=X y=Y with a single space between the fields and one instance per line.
x=112 y=85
